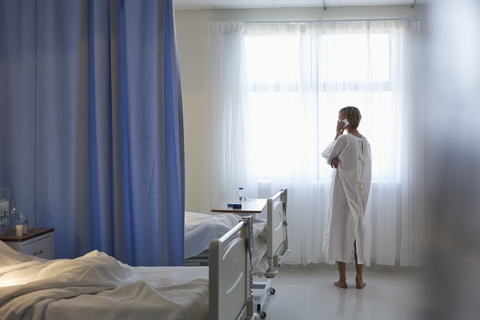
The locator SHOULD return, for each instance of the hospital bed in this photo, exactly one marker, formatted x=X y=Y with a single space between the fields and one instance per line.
x=270 y=243
x=202 y=228
x=96 y=286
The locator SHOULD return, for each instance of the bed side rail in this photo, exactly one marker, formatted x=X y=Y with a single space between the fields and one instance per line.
x=229 y=275
x=277 y=246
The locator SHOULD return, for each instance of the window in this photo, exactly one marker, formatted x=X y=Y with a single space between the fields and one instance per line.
x=293 y=80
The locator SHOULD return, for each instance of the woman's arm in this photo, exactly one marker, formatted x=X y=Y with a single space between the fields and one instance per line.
x=339 y=132
x=333 y=151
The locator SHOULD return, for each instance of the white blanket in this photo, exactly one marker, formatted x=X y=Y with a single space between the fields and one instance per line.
x=96 y=286
x=202 y=228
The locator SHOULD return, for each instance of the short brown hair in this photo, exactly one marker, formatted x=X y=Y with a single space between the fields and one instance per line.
x=352 y=114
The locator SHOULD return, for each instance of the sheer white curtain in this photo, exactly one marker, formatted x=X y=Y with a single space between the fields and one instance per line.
x=299 y=75
x=228 y=153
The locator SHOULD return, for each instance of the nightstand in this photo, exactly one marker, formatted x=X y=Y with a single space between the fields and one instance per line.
x=38 y=242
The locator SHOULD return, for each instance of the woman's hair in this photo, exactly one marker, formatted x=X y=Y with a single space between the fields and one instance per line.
x=352 y=114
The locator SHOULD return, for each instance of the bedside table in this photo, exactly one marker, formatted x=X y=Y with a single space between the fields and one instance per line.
x=38 y=242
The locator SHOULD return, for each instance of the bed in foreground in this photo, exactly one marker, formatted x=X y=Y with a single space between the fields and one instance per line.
x=96 y=286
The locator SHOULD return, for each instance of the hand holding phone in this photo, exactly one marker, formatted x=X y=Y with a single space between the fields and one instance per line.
x=341 y=124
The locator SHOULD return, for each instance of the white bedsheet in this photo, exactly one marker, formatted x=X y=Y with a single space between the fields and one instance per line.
x=96 y=286
x=202 y=228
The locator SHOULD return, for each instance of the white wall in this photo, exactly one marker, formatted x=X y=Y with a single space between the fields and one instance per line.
x=191 y=28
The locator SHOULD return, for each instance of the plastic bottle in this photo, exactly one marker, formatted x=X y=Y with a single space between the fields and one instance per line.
x=240 y=194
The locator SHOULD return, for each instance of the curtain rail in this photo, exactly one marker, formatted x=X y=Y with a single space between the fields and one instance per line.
x=346 y=20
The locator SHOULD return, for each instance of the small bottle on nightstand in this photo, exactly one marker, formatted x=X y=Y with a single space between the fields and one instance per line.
x=240 y=194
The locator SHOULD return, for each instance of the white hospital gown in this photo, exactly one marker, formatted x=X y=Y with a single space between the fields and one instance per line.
x=345 y=221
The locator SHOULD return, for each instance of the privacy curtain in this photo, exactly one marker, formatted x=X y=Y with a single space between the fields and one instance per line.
x=298 y=76
x=105 y=125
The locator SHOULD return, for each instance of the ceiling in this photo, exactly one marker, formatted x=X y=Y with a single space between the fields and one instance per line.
x=256 y=4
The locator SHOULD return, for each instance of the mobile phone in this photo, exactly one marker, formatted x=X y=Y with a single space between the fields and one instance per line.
x=345 y=122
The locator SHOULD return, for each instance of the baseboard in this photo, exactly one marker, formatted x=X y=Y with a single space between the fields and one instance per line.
x=322 y=266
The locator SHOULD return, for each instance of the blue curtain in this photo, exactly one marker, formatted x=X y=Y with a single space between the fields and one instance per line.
x=106 y=115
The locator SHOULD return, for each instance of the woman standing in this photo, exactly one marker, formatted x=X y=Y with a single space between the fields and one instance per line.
x=345 y=222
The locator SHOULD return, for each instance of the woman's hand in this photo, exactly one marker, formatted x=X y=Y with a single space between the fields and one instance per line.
x=334 y=163
x=340 y=125
x=340 y=128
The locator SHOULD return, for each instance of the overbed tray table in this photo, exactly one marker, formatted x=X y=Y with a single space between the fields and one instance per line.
x=249 y=207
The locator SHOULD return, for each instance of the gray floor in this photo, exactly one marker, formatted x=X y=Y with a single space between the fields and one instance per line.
x=309 y=293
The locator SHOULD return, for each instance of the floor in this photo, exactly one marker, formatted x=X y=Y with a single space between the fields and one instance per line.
x=309 y=293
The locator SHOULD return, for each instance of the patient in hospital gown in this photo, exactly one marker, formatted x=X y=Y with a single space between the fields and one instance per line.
x=345 y=223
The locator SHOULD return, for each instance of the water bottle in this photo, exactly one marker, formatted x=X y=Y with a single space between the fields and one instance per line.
x=240 y=194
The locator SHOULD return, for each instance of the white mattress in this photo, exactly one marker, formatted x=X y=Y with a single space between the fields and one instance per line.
x=96 y=286
x=202 y=228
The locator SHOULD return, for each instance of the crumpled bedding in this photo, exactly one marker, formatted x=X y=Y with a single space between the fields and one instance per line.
x=97 y=286
x=202 y=228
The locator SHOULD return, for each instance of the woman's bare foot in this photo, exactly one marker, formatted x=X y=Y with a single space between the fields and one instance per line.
x=360 y=283
x=341 y=283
